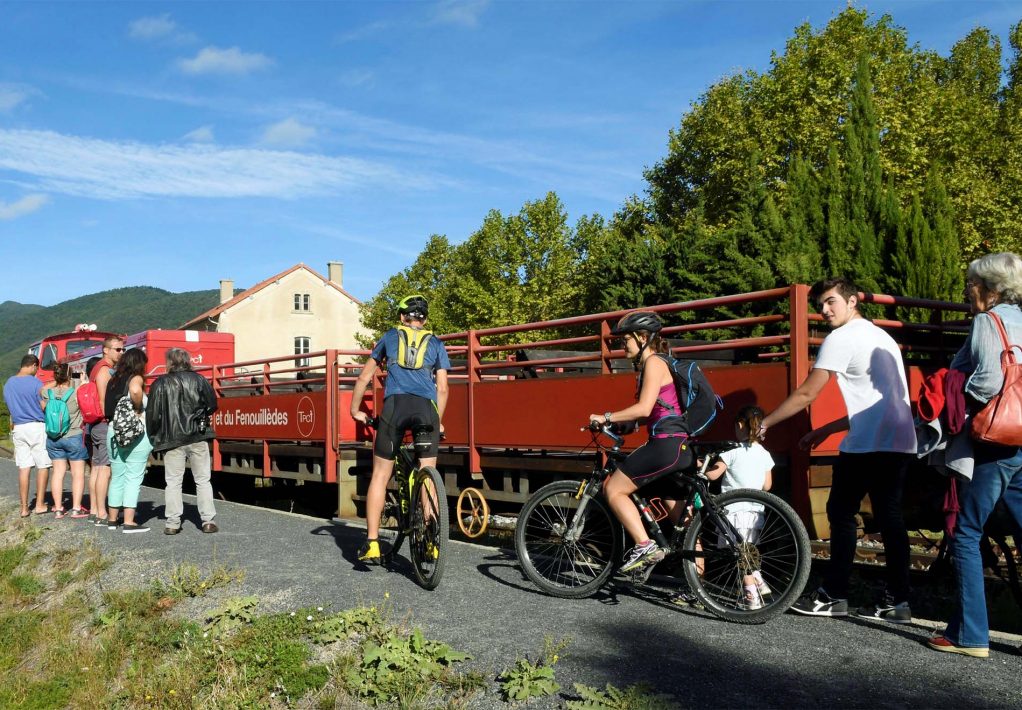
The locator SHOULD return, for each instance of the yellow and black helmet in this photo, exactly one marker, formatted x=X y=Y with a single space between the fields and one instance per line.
x=414 y=305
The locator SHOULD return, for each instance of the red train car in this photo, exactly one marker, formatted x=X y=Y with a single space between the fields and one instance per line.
x=85 y=342
x=63 y=347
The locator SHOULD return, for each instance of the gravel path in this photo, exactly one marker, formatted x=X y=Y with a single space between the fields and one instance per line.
x=486 y=608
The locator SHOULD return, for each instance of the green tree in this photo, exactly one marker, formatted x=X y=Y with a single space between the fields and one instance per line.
x=798 y=258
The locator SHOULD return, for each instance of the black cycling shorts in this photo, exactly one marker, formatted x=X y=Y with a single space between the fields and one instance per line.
x=656 y=459
x=405 y=412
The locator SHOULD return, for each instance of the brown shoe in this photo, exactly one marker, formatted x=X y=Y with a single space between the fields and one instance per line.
x=209 y=528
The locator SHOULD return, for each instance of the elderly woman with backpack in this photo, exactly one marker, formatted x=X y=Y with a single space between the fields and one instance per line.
x=126 y=439
x=993 y=288
x=65 y=441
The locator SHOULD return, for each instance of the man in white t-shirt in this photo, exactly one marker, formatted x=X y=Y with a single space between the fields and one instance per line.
x=874 y=455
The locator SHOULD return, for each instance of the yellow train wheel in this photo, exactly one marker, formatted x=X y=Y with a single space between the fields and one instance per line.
x=473 y=512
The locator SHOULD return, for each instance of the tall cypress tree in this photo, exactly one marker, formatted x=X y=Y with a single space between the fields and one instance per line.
x=943 y=252
x=839 y=249
x=862 y=168
x=797 y=254
x=897 y=259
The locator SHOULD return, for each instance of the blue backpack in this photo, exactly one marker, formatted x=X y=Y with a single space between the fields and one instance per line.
x=58 y=417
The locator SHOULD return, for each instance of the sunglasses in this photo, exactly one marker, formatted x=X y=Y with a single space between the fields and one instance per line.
x=117 y=350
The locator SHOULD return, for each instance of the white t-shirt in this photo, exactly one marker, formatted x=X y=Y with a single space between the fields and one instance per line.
x=747 y=467
x=871 y=376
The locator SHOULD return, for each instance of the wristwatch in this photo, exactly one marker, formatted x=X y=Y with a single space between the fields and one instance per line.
x=606 y=417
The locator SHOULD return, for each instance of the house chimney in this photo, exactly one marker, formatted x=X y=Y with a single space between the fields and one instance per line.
x=335 y=271
x=226 y=290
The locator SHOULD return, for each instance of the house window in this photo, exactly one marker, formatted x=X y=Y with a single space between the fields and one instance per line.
x=302 y=302
x=302 y=345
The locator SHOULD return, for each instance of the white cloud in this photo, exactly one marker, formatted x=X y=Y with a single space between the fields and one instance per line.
x=289 y=133
x=152 y=27
x=202 y=134
x=12 y=95
x=160 y=27
x=26 y=205
x=364 y=32
x=121 y=170
x=357 y=77
x=459 y=12
x=213 y=60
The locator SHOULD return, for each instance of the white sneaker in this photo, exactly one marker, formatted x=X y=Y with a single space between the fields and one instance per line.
x=752 y=598
x=761 y=585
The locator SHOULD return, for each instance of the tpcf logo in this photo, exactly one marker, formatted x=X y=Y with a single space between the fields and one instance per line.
x=306 y=416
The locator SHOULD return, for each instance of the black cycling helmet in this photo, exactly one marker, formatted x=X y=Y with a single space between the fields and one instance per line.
x=414 y=305
x=636 y=321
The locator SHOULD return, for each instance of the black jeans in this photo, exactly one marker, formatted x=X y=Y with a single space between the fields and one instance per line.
x=882 y=476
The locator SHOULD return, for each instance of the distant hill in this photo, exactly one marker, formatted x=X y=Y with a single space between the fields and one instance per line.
x=121 y=310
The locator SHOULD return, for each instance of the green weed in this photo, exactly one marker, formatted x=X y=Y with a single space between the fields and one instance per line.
x=635 y=697
x=526 y=679
x=187 y=580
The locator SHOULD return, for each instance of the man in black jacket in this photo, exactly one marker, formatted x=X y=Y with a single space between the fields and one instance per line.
x=177 y=421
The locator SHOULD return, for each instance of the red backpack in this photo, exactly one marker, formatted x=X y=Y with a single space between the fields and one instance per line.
x=88 y=403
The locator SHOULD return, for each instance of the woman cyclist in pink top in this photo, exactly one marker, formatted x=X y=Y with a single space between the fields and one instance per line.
x=665 y=451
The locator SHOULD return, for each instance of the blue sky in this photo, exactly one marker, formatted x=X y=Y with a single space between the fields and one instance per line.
x=175 y=144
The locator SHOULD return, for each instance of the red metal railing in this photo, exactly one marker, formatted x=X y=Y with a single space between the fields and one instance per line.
x=485 y=373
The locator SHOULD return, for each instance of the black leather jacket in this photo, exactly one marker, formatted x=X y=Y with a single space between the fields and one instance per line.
x=178 y=411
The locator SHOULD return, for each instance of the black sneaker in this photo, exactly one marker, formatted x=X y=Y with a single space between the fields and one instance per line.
x=819 y=603
x=886 y=610
x=134 y=528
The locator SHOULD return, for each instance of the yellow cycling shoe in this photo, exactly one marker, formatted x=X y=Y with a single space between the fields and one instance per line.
x=432 y=551
x=370 y=552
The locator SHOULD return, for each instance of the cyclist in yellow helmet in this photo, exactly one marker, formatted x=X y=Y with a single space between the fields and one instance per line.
x=415 y=394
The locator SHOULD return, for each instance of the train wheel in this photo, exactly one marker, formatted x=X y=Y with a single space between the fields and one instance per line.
x=473 y=508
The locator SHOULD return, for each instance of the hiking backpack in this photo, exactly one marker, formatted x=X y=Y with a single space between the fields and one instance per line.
x=58 y=417
x=695 y=395
x=88 y=403
x=412 y=345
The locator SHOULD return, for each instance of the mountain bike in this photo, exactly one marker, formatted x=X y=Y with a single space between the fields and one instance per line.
x=415 y=508
x=570 y=543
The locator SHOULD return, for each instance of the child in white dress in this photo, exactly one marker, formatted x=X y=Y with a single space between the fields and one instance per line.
x=747 y=466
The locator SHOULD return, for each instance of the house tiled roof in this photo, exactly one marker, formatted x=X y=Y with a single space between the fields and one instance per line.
x=213 y=312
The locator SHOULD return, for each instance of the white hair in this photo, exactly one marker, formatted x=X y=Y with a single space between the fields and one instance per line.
x=1000 y=273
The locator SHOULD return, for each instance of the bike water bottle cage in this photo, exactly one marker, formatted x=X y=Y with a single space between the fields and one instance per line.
x=412 y=344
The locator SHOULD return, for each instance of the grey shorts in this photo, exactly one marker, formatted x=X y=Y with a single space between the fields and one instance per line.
x=100 y=452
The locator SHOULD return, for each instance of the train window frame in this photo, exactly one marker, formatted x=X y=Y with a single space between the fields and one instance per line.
x=48 y=357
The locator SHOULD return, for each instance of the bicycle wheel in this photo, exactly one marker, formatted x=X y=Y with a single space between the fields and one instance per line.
x=778 y=549
x=392 y=524
x=429 y=529
x=564 y=567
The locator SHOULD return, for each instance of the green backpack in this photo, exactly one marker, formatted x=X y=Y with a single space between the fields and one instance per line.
x=58 y=416
x=412 y=345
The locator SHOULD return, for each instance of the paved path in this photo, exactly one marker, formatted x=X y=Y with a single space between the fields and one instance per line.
x=486 y=608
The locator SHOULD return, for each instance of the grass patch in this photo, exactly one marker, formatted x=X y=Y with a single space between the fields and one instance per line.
x=124 y=648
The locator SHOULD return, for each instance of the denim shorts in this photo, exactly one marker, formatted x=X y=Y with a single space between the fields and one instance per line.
x=70 y=448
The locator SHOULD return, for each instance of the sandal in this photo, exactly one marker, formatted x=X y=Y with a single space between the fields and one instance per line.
x=59 y=513
x=27 y=515
x=79 y=513
x=36 y=511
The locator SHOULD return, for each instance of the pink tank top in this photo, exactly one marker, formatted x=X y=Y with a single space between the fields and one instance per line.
x=667 y=405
